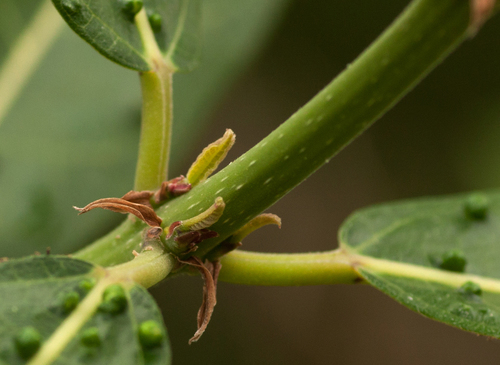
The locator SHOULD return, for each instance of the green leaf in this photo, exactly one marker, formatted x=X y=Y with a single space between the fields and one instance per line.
x=110 y=28
x=35 y=293
x=433 y=256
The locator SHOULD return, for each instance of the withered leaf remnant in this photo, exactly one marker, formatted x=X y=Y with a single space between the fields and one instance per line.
x=120 y=205
x=210 y=273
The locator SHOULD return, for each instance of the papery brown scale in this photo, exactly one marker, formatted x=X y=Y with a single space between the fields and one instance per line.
x=174 y=187
x=210 y=273
x=172 y=228
x=139 y=197
x=141 y=211
x=179 y=189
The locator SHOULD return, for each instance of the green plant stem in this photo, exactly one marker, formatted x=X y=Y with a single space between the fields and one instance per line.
x=156 y=129
x=156 y=125
x=122 y=240
x=409 y=49
x=317 y=268
x=147 y=269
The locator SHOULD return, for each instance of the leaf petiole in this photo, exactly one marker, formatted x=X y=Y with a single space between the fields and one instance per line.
x=316 y=268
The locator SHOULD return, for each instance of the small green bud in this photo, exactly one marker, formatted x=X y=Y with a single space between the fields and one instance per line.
x=70 y=301
x=114 y=299
x=470 y=288
x=87 y=285
x=150 y=334
x=90 y=337
x=155 y=22
x=28 y=342
x=476 y=207
x=131 y=7
x=453 y=260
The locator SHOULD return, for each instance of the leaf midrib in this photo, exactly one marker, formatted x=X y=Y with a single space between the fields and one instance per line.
x=407 y=270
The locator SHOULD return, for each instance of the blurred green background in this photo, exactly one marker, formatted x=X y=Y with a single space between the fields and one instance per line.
x=72 y=138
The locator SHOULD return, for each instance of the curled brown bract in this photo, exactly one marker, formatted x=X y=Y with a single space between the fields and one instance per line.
x=139 y=197
x=141 y=211
x=210 y=273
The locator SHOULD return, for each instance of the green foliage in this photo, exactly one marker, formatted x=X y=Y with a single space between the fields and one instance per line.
x=70 y=301
x=150 y=334
x=470 y=288
x=392 y=244
x=114 y=300
x=90 y=337
x=426 y=254
x=453 y=260
x=476 y=206
x=131 y=8
x=87 y=284
x=33 y=315
x=27 y=342
x=109 y=27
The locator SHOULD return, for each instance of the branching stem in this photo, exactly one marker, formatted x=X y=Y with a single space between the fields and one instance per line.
x=422 y=36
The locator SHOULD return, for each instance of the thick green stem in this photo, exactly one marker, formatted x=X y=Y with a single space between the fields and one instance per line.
x=156 y=125
x=147 y=269
x=156 y=129
x=409 y=49
x=121 y=241
x=317 y=268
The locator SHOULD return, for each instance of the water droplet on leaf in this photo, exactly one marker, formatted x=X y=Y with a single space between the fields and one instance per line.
x=86 y=285
x=131 y=8
x=155 y=22
x=476 y=207
x=150 y=334
x=90 y=337
x=453 y=260
x=487 y=315
x=28 y=342
x=470 y=288
x=462 y=310
x=114 y=299
x=70 y=301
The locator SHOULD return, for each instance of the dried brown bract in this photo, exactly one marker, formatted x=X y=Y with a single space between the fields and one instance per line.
x=141 y=211
x=210 y=273
x=139 y=197
x=174 y=187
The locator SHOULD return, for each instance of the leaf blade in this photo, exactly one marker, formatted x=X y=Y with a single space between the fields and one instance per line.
x=35 y=286
x=395 y=247
x=103 y=25
x=113 y=33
